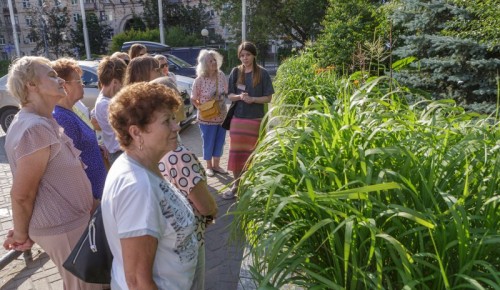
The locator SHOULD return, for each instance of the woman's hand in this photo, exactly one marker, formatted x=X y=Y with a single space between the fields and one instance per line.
x=247 y=99
x=17 y=242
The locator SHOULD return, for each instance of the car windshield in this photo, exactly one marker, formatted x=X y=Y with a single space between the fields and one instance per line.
x=179 y=62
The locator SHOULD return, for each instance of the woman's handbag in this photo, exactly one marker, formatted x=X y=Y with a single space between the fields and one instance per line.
x=91 y=259
x=226 y=124
x=211 y=109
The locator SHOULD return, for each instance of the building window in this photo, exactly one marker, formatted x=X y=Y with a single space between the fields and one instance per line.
x=2 y=39
x=29 y=21
x=74 y=2
x=26 y=4
x=76 y=17
x=102 y=15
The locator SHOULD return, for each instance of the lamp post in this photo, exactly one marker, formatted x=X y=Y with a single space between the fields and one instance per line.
x=204 y=33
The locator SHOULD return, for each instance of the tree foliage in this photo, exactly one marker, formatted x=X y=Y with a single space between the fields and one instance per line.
x=348 y=25
x=298 y=20
x=448 y=66
x=191 y=19
x=98 y=31
x=479 y=21
x=50 y=30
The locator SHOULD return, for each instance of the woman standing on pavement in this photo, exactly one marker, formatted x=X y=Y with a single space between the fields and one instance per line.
x=111 y=71
x=149 y=224
x=182 y=168
x=250 y=86
x=51 y=194
x=83 y=136
x=210 y=84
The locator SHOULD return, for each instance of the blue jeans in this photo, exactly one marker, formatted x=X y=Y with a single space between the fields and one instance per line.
x=213 y=137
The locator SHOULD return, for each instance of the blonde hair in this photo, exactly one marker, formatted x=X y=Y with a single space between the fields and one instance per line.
x=22 y=72
x=202 y=66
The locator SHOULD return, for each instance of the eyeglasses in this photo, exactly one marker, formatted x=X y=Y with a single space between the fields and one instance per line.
x=163 y=65
x=80 y=81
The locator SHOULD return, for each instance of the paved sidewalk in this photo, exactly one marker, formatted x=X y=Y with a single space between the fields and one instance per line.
x=223 y=258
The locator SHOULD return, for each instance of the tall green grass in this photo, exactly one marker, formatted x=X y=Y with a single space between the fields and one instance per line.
x=359 y=190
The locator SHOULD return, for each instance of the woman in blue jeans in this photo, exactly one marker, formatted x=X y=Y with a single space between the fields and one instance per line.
x=211 y=84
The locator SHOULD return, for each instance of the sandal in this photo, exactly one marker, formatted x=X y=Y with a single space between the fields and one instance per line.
x=220 y=171
x=210 y=172
x=228 y=195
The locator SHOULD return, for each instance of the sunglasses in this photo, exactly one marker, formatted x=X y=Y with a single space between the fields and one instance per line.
x=163 y=65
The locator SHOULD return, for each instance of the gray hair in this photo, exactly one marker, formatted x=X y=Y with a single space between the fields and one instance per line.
x=21 y=72
x=201 y=67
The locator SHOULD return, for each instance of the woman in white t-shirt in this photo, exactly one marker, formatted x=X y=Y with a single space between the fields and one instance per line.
x=149 y=224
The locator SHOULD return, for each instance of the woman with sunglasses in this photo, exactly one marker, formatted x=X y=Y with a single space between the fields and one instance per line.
x=80 y=132
x=163 y=60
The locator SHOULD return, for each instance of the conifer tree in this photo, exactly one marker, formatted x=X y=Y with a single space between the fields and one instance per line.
x=448 y=66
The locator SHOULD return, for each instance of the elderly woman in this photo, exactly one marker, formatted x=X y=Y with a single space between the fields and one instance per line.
x=136 y=50
x=111 y=71
x=81 y=133
x=142 y=69
x=210 y=84
x=149 y=224
x=51 y=195
x=182 y=168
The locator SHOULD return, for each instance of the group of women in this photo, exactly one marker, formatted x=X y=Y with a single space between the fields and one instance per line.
x=154 y=199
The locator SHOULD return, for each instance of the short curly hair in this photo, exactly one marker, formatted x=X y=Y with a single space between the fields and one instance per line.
x=22 y=71
x=136 y=104
x=65 y=66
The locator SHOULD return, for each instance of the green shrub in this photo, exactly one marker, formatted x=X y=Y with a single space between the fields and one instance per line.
x=4 y=67
x=130 y=35
x=359 y=190
x=300 y=77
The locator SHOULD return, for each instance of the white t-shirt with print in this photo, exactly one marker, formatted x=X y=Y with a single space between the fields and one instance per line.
x=137 y=202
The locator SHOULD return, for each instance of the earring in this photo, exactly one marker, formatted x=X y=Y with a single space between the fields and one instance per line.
x=140 y=144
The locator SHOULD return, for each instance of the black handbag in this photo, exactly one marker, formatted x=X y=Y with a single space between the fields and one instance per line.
x=226 y=124
x=91 y=259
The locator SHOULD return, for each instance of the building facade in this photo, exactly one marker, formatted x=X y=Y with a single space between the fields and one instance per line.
x=116 y=13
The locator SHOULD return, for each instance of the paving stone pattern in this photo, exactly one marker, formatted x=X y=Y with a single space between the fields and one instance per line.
x=223 y=257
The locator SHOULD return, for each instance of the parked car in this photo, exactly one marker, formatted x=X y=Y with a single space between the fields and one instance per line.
x=176 y=64
x=9 y=105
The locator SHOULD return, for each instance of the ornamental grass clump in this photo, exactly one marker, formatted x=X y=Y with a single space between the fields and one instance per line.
x=363 y=191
